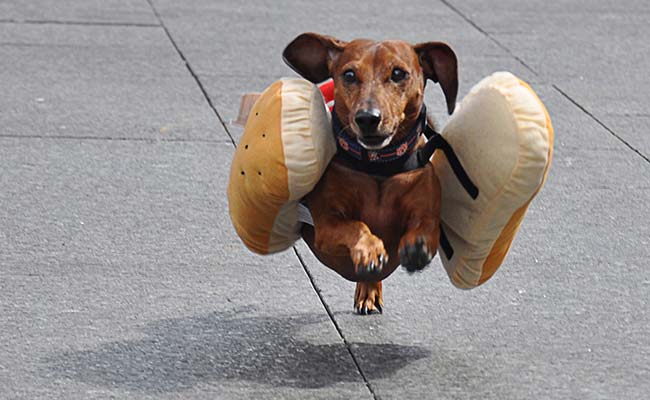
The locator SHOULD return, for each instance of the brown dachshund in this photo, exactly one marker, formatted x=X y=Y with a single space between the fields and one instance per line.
x=369 y=215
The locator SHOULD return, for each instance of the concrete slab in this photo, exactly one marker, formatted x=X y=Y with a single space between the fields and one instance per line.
x=611 y=98
x=533 y=331
x=543 y=9
x=121 y=276
x=565 y=315
x=593 y=51
x=634 y=128
x=249 y=39
x=98 y=81
x=79 y=11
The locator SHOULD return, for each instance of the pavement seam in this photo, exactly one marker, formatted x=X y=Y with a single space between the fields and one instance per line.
x=487 y=35
x=599 y=122
x=564 y=94
x=191 y=70
x=82 y=23
x=336 y=325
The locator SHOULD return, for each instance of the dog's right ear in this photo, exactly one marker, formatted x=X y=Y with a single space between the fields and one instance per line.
x=311 y=55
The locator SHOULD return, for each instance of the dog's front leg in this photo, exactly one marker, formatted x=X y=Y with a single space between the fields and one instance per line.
x=335 y=207
x=421 y=207
x=338 y=236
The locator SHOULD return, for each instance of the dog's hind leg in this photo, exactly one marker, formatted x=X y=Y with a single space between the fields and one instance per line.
x=368 y=298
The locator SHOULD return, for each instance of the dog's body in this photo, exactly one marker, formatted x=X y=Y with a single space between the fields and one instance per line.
x=361 y=220
x=366 y=225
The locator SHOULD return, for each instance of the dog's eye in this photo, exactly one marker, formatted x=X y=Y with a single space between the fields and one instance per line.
x=349 y=76
x=398 y=75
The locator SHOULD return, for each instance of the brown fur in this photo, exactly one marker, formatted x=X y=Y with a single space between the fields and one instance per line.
x=365 y=226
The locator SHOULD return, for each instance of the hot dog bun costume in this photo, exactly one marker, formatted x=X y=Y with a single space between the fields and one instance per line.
x=500 y=136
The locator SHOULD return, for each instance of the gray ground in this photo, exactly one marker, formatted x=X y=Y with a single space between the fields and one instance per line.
x=121 y=276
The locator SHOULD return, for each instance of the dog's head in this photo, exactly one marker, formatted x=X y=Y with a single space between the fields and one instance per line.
x=378 y=86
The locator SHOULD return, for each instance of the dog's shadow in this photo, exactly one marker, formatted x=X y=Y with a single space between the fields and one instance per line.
x=176 y=354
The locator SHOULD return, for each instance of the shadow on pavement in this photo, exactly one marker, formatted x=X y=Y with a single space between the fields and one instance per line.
x=176 y=354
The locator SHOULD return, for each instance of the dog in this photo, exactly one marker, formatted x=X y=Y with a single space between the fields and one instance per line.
x=369 y=215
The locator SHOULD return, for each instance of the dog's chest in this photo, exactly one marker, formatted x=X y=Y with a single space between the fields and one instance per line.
x=375 y=201
x=380 y=210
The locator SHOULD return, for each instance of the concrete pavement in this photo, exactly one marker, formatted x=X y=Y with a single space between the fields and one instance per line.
x=121 y=276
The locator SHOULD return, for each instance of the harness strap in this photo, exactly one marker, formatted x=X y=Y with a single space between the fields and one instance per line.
x=436 y=141
x=445 y=245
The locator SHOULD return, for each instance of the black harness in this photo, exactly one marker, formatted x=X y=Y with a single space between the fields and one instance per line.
x=399 y=157
x=384 y=162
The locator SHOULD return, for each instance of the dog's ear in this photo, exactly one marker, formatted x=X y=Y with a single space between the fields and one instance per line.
x=311 y=55
x=439 y=64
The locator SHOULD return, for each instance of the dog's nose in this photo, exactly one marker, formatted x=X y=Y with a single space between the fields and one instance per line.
x=368 y=120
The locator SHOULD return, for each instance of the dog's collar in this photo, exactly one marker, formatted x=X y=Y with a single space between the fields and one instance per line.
x=387 y=161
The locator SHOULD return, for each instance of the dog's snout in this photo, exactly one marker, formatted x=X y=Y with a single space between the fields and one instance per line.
x=368 y=120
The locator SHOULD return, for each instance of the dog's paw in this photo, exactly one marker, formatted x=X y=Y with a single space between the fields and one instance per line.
x=369 y=257
x=416 y=254
x=368 y=298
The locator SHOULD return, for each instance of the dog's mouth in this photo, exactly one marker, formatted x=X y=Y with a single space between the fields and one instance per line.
x=374 y=142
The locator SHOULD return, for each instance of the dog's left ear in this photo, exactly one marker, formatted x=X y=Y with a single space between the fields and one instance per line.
x=439 y=64
x=311 y=55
